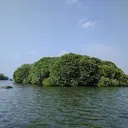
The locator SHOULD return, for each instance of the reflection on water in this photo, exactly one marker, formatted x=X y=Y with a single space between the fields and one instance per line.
x=36 y=107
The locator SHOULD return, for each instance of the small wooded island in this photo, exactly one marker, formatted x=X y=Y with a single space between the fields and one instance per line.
x=71 y=70
x=3 y=77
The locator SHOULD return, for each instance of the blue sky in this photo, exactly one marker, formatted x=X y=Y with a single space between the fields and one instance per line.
x=31 y=29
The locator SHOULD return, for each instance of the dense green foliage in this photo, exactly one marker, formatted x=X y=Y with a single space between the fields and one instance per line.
x=107 y=82
x=40 y=70
x=21 y=74
x=71 y=70
x=3 y=77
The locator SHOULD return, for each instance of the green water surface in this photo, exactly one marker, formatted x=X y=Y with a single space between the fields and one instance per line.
x=27 y=106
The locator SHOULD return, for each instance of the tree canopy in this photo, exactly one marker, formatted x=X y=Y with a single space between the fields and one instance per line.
x=21 y=74
x=40 y=70
x=3 y=77
x=71 y=70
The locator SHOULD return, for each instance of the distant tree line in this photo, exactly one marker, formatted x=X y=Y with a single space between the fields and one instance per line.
x=3 y=77
x=71 y=70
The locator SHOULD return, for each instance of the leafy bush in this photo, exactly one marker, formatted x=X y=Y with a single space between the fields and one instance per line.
x=21 y=74
x=123 y=80
x=106 y=82
x=88 y=71
x=50 y=81
x=66 y=70
x=40 y=70
x=3 y=77
x=71 y=70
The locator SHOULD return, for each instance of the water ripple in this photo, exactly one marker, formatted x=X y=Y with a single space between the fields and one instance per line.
x=37 y=107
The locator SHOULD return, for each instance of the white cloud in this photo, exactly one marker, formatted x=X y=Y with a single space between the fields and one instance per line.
x=63 y=52
x=88 y=24
x=85 y=23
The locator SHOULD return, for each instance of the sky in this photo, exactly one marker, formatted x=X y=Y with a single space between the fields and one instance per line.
x=32 y=29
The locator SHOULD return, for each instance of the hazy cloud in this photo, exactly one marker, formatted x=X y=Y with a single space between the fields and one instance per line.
x=63 y=52
x=88 y=24
x=82 y=20
x=104 y=51
x=85 y=23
